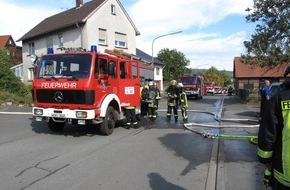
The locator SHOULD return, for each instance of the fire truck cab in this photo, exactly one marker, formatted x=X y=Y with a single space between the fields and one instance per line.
x=86 y=88
x=210 y=86
x=193 y=86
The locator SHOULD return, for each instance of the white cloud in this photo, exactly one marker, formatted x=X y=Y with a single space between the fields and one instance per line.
x=162 y=15
x=18 y=20
x=156 y=17
x=153 y=18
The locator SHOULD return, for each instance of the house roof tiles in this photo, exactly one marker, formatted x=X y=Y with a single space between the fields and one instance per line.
x=242 y=70
x=72 y=17
x=4 y=41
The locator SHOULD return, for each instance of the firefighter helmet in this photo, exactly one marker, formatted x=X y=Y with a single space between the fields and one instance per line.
x=180 y=85
x=173 y=82
x=150 y=83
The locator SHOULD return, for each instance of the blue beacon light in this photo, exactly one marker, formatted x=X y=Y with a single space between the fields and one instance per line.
x=93 y=48
x=49 y=50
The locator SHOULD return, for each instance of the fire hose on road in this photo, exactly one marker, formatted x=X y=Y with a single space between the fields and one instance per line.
x=211 y=134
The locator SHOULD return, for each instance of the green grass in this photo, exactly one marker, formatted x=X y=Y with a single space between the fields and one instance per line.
x=15 y=99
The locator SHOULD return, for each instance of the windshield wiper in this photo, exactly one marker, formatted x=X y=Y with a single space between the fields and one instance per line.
x=72 y=77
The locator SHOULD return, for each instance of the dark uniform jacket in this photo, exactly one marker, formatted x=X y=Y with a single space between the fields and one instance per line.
x=172 y=96
x=274 y=135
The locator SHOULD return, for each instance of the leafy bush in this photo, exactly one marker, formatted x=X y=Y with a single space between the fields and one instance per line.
x=15 y=98
x=11 y=87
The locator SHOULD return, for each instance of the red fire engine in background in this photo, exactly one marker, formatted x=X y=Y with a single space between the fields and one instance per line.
x=210 y=87
x=87 y=88
x=193 y=86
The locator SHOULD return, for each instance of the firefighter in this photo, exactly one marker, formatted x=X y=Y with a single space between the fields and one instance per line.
x=131 y=119
x=183 y=103
x=153 y=94
x=273 y=139
x=144 y=100
x=172 y=100
x=158 y=96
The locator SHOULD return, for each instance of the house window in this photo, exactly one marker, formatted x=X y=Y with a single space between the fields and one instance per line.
x=157 y=71
x=18 y=70
x=113 y=9
x=30 y=73
x=31 y=48
x=102 y=36
x=60 y=40
x=120 y=40
x=49 y=42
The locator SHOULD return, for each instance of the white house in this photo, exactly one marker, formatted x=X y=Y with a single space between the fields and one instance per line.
x=104 y=23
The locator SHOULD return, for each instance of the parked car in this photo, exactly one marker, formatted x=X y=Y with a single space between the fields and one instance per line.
x=275 y=87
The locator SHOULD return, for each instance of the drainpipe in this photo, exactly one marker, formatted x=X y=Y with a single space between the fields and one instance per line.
x=77 y=24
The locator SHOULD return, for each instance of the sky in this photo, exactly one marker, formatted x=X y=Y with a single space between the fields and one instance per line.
x=212 y=31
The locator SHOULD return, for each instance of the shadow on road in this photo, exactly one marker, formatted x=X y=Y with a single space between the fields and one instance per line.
x=157 y=182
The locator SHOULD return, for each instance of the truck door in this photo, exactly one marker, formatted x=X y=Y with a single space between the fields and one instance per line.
x=129 y=84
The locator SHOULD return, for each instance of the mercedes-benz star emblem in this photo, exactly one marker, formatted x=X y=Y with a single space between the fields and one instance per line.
x=58 y=96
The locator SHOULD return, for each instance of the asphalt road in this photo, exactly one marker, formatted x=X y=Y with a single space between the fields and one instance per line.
x=159 y=155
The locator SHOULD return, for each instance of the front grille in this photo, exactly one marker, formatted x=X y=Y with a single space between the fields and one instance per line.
x=188 y=88
x=65 y=96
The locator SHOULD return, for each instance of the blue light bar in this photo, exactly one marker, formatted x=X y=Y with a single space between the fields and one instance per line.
x=93 y=48
x=49 y=50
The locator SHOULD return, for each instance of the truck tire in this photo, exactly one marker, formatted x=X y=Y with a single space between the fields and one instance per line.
x=55 y=126
x=108 y=125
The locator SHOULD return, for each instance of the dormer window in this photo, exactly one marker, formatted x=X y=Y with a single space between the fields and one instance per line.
x=113 y=9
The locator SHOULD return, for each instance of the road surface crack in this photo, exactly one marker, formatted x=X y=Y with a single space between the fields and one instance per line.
x=36 y=166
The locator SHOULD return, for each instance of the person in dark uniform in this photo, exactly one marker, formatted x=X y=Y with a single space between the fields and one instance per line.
x=158 y=96
x=131 y=119
x=153 y=94
x=274 y=138
x=144 y=100
x=183 y=103
x=172 y=100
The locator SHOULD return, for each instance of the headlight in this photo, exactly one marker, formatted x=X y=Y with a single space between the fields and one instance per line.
x=38 y=111
x=81 y=114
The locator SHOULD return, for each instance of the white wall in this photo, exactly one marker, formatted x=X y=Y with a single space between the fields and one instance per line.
x=112 y=23
x=86 y=36
x=71 y=38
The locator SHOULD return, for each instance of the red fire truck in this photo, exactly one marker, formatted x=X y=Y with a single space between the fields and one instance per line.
x=193 y=86
x=210 y=87
x=86 y=88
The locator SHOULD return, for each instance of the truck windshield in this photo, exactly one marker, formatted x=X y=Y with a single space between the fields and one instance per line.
x=209 y=84
x=188 y=80
x=64 y=65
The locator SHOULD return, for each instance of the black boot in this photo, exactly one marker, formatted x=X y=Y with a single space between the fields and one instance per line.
x=136 y=126
x=128 y=127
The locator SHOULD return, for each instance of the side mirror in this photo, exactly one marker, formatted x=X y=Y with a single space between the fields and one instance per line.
x=33 y=59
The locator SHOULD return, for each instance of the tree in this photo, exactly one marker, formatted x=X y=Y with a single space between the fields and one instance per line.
x=212 y=74
x=8 y=81
x=270 y=44
x=175 y=63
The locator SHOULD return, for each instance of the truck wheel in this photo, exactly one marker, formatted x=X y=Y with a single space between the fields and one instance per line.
x=55 y=126
x=108 y=125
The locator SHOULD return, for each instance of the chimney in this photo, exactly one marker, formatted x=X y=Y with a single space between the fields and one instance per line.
x=79 y=3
